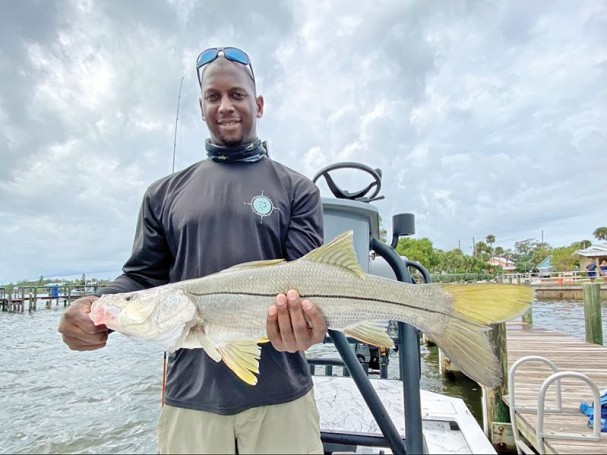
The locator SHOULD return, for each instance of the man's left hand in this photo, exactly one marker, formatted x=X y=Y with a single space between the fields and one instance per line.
x=294 y=324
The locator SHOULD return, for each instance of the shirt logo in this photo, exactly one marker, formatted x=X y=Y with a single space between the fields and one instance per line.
x=262 y=206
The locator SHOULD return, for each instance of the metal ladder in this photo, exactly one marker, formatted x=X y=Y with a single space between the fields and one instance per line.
x=541 y=410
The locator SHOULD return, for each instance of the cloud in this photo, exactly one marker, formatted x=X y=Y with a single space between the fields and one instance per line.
x=485 y=118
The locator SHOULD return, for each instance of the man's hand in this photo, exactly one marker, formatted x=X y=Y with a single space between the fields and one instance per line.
x=295 y=325
x=79 y=332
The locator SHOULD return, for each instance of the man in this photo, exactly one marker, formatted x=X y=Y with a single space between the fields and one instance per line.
x=591 y=269
x=236 y=206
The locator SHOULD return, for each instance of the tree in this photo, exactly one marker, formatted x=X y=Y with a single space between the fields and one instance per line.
x=600 y=233
x=490 y=239
x=452 y=261
x=523 y=255
x=563 y=258
x=419 y=250
x=476 y=265
x=482 y=250
x=540 y=252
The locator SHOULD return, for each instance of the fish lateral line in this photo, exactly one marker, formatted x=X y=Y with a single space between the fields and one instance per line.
x=328 y=296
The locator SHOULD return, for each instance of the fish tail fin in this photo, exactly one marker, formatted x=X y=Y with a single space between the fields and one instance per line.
x=475 y=308
x=468 y=347
x=489 y=303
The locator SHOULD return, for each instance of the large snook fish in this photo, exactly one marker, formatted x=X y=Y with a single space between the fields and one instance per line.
x=225 y=313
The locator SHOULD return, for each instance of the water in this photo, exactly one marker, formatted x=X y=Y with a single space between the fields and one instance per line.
x=53 y=400
x=58 y=401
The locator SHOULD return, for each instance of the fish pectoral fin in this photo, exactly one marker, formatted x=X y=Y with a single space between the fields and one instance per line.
x=254 y=264
x=196 y=339
x=338 y=252
x=370 y=332
x=242 y=357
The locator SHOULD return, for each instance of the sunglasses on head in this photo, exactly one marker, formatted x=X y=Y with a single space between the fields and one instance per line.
x=231 y=53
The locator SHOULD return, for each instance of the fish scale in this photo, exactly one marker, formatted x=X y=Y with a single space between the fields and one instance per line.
x=342 y=304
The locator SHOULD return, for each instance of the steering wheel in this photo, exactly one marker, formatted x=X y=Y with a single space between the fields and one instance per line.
x=417 y=272
x=356 y=195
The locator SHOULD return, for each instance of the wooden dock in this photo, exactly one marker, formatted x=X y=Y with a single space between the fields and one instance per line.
x=564 y=291
x=567 y=353
x=15 y=300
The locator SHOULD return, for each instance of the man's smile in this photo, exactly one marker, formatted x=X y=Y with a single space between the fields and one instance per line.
x=228 y=122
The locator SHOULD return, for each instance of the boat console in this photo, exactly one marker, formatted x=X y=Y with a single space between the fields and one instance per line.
x=392 y=416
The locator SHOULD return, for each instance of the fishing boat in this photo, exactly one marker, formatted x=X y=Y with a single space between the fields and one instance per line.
x=360 y=414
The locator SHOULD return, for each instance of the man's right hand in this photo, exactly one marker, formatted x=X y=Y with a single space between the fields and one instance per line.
x=79 y=332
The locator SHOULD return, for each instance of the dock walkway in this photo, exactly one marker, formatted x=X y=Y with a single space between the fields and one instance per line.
x=568 y=354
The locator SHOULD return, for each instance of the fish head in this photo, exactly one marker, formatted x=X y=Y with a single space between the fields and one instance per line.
x=122 y=310
x=151 y=313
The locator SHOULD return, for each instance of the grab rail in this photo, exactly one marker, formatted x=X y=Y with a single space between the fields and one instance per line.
x=541 y=409
x=596 y=424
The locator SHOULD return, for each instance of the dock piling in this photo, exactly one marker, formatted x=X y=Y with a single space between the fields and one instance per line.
x=497 y=412
x=592 y=313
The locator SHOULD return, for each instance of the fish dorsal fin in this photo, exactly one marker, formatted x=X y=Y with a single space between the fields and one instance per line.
x=338 y=252
x=254 y=264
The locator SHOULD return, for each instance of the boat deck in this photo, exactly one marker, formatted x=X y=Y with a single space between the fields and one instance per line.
x=448 y=425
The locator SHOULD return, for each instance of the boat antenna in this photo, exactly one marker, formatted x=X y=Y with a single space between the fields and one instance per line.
x=176 y=120
x=164 y=363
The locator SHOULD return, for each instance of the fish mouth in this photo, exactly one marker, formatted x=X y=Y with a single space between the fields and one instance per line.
x=104 y=316
x=97 y=315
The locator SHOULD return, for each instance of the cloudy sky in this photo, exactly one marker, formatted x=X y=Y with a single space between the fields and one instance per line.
x=486 y=117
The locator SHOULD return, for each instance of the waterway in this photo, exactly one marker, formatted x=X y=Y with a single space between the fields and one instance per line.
x=53 y=400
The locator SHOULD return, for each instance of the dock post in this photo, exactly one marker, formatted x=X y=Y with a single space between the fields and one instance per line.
x=497 y=413
x=30 y=303
x=592 y=312
x=35 y=298
x=528 y=316
x=22 y=300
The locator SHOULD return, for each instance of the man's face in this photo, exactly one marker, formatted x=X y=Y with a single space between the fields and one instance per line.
x=228 y=104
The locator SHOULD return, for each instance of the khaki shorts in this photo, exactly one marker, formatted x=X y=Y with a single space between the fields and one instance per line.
x=282 y=428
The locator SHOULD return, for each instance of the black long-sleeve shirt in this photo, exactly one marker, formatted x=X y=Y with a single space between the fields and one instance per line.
x=202 y=220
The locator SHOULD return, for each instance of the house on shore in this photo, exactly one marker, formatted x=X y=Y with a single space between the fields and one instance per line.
x=545 y=268
x=594 y=253
x=507 y=265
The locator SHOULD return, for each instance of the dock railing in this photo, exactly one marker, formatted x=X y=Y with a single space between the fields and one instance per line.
x=552 y=278
x=15 y=299
x=535 y=278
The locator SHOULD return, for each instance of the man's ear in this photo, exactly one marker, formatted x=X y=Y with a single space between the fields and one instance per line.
x=259 y=103
x=201 y=110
